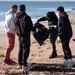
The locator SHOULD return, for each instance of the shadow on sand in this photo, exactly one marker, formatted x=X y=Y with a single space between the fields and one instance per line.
x=61 y=56
x=47 y=69
x=51 y=68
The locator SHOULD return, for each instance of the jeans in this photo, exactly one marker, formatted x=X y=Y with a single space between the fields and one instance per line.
x=24 y=50
x=11 y=42
x=65 y=45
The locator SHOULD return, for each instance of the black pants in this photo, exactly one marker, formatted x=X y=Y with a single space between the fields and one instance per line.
x=53 y=37
x=24 y=49
x=65 y=45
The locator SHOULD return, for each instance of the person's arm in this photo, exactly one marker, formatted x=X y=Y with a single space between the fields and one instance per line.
x=42 y=19
x=12 y=21
x=29 y=24
x=61 y=26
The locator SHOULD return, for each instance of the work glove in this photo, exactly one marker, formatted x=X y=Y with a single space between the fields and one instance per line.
x=55 y=26
x=58 y=38
x=37 y=30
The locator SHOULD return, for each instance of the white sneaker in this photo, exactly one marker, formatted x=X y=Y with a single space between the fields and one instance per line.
x=27 y=68
x=20 y=66
x=70 y=64
x=65 y=63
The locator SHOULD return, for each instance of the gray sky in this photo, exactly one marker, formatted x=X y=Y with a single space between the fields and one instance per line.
x=37 y=0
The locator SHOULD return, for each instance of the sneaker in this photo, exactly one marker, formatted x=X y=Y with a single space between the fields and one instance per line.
x=65 y=63
x=70 y=64
x=20 y=66
x=13 y=62
x=27 y=68
x=7 y=62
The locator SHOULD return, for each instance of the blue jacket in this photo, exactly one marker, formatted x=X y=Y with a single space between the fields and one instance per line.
x=64 y=26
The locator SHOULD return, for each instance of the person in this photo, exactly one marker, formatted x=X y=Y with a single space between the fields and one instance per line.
x=23 y=27
x=52 y=23
x=10 y=34
x=65 y=34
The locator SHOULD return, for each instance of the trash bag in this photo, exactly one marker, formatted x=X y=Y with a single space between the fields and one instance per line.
x=42 y=35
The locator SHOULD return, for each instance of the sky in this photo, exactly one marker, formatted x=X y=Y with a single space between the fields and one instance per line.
x=37 y=0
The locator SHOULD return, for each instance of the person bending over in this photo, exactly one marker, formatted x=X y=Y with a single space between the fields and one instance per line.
x=52 y=23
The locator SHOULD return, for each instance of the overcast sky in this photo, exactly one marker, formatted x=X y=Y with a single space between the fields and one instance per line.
x=37 y=0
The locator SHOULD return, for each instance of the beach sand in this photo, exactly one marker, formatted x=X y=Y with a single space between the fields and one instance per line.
x=39 y=57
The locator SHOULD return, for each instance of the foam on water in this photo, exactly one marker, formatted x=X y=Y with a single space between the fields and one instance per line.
x=2 y=13
x=2 y=24
x=68 y=10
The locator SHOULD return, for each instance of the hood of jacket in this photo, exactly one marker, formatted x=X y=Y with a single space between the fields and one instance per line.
x=65 y=14
x=20 y=14
x=9 y=12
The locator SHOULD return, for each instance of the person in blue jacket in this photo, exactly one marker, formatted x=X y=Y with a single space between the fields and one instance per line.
x=65 y=33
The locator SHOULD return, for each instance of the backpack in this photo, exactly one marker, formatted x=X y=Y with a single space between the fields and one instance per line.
x=20 y=25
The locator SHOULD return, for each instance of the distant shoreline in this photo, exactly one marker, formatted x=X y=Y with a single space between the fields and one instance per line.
x=70 y=17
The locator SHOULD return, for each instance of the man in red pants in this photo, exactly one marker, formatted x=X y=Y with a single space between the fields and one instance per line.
x=10 y=34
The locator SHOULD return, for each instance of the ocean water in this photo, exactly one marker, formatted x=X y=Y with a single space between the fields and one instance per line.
x=34 y=9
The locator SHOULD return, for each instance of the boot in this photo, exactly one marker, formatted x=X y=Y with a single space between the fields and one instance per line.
x=53 y=55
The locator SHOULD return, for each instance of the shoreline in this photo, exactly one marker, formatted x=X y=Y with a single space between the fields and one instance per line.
x=44 y=23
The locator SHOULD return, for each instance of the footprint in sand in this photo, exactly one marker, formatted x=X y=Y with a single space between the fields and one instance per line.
x=47 y=41
x=33 y=42
x=44 y=43
x=48 y=48
x=30 y=59
x=41 y=51
x=39 y=47
x=39 y=55
x=1 y=55
x=33 y=55
x=60 y=52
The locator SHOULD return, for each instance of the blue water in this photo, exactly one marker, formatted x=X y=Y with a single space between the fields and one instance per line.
x=34 y=9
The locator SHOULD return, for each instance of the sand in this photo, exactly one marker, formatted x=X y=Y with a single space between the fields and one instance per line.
x=39 y=57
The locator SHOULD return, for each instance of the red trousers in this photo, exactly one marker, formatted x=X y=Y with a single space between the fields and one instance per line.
x=10 y=42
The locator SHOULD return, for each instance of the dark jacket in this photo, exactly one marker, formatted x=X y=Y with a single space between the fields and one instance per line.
x=24 y=24
x=50 y=22
x=64 y=26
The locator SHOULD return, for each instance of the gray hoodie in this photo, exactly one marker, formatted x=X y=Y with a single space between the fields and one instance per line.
x=9 y=22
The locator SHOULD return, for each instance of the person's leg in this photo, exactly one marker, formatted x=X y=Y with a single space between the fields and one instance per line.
x=26 y=50
x=53 y=40
x=67 y=52
x=20 y=54
x=66 y=48
x=10 y=41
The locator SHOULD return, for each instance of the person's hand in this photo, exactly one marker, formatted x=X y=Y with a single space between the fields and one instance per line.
x=58 y=38
x=55 y=26
x=37 y=30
